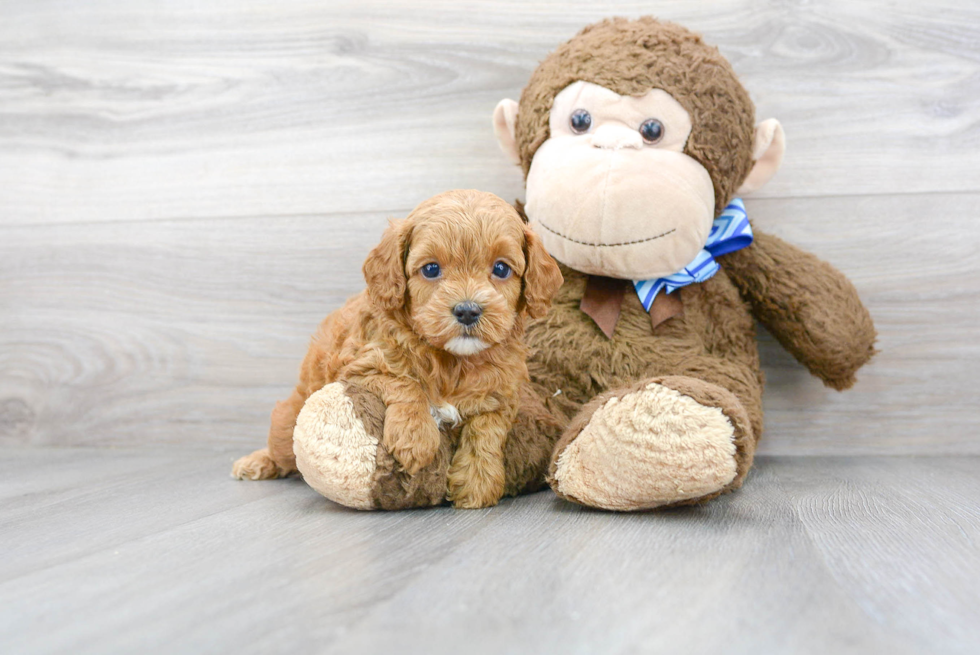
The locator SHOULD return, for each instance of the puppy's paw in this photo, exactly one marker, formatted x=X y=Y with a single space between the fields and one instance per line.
x=257 y=466
x=411 y=435
x=475 y=483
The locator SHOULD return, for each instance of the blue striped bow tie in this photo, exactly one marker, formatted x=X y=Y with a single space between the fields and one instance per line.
x=730 y=232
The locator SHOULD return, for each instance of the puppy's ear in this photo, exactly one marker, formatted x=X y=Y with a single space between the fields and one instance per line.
x=384 y=268
x=542 y=278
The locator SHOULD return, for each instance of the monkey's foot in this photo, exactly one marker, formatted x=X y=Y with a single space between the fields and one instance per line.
x=666 y=441
x=339 y=450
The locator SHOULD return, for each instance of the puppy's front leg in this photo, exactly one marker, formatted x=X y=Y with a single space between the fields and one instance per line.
x=476 y=475
x=410 y=433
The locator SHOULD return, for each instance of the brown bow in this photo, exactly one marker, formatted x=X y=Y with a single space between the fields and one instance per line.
x=603 y=301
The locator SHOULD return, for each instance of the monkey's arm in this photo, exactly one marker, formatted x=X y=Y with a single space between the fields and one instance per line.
x=807 y=304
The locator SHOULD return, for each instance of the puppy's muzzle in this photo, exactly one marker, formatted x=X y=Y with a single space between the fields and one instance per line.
x=467 y=313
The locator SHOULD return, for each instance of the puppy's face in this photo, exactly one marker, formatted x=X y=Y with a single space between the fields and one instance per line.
x=464 y=271
x=469 y=268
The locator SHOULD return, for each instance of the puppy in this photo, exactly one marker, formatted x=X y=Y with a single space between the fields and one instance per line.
x=437 y=335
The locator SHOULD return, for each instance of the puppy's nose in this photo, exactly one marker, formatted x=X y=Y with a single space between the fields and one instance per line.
x=467 y=313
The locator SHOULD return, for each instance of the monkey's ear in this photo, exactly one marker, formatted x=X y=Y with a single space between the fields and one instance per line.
x=767 y=153
x=504 y=126
x=384 y=268
x=542 y=277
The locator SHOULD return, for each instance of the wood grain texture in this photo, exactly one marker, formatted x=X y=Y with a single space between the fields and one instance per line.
x=188 y=331
x=157 y=551
x=135 y=110
x=186 y=190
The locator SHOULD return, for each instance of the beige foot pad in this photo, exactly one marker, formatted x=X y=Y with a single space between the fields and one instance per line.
x=648 y=448
x=334 y=452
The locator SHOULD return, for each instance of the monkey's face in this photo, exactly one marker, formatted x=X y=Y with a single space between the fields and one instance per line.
x=611 y=191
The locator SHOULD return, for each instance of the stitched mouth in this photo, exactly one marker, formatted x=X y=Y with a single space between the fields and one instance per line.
x=606 y=245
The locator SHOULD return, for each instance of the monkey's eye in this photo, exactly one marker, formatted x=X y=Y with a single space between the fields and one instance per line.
x=431 y=271
x=501 y=271
x=652 y=130
x=580 y=121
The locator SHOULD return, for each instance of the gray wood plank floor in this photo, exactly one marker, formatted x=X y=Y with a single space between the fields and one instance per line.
x=150 y=550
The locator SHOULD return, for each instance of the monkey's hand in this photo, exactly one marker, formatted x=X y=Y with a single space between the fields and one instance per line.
x=808 y=305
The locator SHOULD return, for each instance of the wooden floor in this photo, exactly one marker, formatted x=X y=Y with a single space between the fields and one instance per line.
x=187 y=188
x=159 y=551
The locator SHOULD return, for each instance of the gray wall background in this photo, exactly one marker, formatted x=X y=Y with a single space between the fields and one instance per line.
x=187 y=188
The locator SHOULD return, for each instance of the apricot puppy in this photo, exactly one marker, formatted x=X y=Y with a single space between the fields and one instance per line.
x=437 y=335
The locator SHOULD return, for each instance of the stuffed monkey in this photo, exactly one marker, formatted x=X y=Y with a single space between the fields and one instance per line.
x=635 y=138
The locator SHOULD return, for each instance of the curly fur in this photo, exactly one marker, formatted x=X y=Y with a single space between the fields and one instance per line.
x=391 y=340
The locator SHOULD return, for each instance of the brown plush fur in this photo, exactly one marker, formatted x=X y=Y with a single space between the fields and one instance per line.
x=632 y=57
x=712 y=342
x=811 y=309
x=392 y=341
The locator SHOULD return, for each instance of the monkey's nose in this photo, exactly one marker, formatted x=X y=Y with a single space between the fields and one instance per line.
x=614 y=137
x=467 y=313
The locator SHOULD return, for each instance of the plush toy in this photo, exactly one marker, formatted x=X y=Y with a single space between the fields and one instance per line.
x=634 y=138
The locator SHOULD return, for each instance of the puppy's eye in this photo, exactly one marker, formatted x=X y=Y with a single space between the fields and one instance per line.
x=501 y=271
x=580 y=121
x=431 y=271
x=652 y=130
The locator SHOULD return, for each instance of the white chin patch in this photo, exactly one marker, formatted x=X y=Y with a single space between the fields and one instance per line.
x=466 y=345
